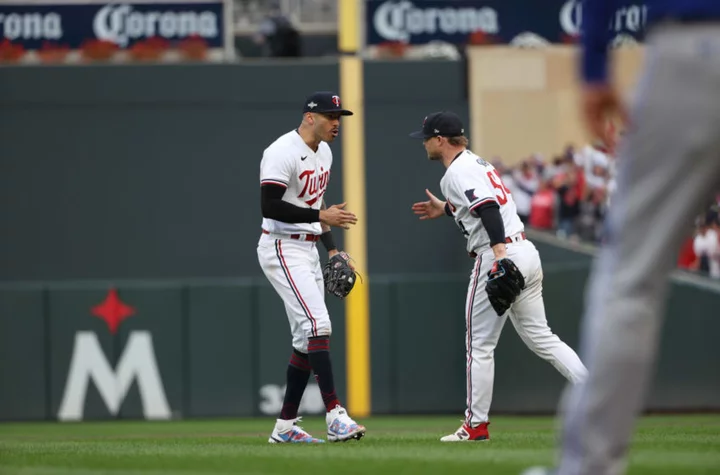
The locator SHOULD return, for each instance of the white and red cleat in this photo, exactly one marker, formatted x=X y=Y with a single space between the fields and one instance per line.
x=468 y=434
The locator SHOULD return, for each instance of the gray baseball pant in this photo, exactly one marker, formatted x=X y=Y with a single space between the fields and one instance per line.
x=668 y=165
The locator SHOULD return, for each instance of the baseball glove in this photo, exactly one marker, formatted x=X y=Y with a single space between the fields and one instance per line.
x=339 y=277
x=505 y=282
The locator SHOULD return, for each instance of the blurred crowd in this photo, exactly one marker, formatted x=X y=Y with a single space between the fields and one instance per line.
x=285 y=28
x=569 y=196
x=701 y=252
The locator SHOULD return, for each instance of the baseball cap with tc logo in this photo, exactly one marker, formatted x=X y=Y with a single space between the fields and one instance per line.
x=324 y=102
x=440 y=124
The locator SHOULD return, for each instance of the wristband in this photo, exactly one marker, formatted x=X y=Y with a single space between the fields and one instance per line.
x=327 y=240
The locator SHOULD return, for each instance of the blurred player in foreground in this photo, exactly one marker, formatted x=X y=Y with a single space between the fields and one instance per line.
x=669 y=161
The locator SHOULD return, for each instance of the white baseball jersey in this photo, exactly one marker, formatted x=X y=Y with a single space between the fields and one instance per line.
x=289 y=162
x=468 y=183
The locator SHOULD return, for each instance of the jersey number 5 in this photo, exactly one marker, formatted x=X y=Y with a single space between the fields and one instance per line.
x=498 y=184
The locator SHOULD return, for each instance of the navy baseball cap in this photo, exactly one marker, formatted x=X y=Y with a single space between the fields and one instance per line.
x=324 y=102
x=440 y=124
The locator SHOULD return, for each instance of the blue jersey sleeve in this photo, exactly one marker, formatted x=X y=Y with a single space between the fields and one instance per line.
x=595 y=37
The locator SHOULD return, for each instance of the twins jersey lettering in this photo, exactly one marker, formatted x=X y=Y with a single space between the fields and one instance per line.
x=289 y=162
x=468 y=183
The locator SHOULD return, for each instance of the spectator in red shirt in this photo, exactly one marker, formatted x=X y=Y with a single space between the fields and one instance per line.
x=542 y=206
x=687 y=259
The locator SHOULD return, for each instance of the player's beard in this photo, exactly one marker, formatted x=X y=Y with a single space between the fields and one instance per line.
x=328 y=135
x=434 y=156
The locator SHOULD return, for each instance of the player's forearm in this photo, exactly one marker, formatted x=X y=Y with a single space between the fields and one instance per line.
x=288 y=213
x=273 y=207
x=328 y=242
x=325 y=227
x=493 y=224
x=326 y=237
x=500 y=250
x=596 y=16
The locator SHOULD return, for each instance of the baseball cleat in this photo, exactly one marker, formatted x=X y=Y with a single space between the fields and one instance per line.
x=341 y=427
x=288 y=432
x=467 y=434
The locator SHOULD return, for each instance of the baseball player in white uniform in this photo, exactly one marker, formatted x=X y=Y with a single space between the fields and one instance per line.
x=294 y=174
x=484 y=210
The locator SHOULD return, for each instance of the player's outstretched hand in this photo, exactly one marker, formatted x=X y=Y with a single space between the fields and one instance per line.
x=434 y=208
x=335 y=215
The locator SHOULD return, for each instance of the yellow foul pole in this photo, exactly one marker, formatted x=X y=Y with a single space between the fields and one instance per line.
x=357 y=306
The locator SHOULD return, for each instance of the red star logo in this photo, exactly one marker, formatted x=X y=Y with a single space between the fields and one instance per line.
x=113 y=311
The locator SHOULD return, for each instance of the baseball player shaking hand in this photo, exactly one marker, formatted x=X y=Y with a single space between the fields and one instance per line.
x=294 y=174
x=506 y=280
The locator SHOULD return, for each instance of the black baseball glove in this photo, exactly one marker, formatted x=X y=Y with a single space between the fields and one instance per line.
x=505 y=282
x=339 y=277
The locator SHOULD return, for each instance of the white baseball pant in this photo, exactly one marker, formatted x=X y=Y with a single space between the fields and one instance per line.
x=527 y=315
x=668 y=164
x=293 y=268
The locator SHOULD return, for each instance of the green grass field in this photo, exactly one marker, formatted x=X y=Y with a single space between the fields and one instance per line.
x=677 y=445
